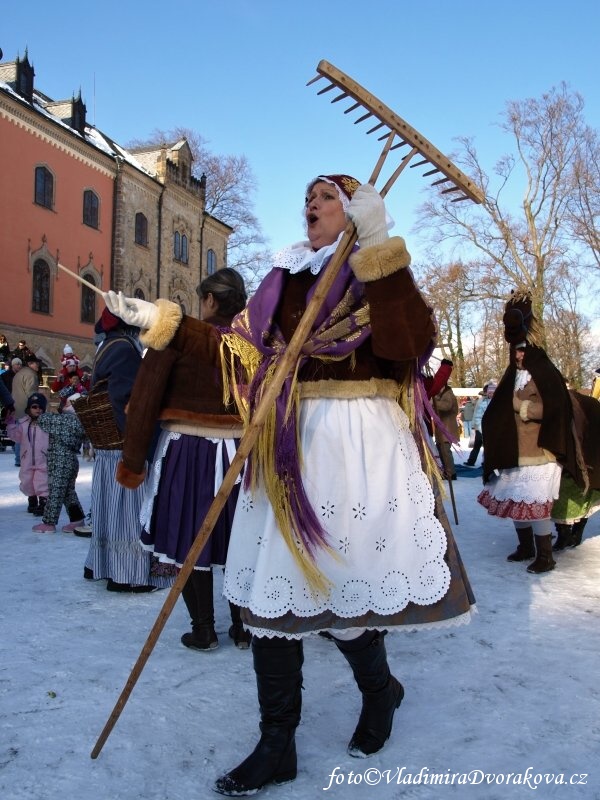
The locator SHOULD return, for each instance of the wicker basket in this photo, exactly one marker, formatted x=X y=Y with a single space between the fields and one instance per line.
x=96 y=415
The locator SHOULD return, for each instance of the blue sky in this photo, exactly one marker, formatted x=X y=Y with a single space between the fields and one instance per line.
x=235 y=71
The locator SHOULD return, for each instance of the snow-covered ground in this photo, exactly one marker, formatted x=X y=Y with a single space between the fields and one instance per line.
x=514 y=696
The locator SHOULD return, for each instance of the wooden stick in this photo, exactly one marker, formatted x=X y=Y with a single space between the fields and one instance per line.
x=247 y=442
x=81 y=280
x=442 y=453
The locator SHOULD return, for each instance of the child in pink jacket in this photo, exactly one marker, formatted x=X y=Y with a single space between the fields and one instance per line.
x=33 y=473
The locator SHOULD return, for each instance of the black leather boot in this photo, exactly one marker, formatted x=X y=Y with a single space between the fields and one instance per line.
x=198 y=597
x=241 y=638
x=526 y=548
x=577 y=534
x=381 y=692
x=564 y=536
x=32 y=504
x=278 y=667
x=543 y=561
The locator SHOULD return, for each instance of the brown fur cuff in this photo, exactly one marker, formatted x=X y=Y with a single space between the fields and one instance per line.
x=127 y=478
x=380 y=260
x=164 y=329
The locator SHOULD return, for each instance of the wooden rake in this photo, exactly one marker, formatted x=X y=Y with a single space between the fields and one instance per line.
x=388 y=123
x=288 y=361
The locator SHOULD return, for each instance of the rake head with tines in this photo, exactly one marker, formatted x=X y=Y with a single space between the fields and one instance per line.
x=397 y=134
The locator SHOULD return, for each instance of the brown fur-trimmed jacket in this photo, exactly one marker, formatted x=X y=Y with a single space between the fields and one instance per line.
x=402 y=327
x=181 y=387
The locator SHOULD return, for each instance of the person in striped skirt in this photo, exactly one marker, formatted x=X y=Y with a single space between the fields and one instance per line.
x=115 y=552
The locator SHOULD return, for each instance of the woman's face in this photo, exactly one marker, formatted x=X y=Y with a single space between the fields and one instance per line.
x=519 y=355
x=325 y=217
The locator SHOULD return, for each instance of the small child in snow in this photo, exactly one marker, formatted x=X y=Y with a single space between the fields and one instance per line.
x=33 y=474
x=65 y=438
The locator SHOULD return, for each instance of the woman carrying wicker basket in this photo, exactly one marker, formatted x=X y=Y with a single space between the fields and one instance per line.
x=115 y=551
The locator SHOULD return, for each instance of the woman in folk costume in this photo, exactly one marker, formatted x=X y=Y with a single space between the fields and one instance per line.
x=528 y=439
x=115 y=551
x=199 y=438
x=576 y=503
x=337 y=528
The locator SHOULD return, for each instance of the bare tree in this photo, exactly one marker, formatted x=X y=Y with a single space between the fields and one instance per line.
x=568 y=331
x=585 y=206
x=521 y=250
x=449 y=289
x=230 y=187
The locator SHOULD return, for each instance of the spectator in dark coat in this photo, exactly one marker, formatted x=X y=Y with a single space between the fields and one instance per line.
x=4 y=348
x=446 y=406
x=116 y=553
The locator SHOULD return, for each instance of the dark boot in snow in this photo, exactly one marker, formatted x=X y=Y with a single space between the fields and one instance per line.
x=564 y=536
x=39 y=511
x=526 y=548
x=241 y=638
x=543 y=561
x=278 y=668
x=381 y=692
x=198 y=597
x=578 y=531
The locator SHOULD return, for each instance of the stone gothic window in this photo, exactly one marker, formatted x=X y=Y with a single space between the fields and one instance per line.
x=40 y=300
x=44 y=187
x=141 y=229
x=91 y=206
x=88 y=301
x=180 y=247
x=184 y=248
x=211 y=262
x=139 y=295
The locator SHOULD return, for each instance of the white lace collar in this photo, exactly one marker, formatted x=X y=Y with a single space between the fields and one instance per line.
x=300 y=256
x=522 y=378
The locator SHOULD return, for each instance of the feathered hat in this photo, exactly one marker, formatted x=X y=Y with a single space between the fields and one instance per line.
x=520 y=325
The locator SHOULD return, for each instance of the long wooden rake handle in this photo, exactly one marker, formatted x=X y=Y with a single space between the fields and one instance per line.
x=80 y=279
x=247 y=442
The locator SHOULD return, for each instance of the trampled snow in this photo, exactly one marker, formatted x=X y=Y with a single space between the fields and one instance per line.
x=509 y=702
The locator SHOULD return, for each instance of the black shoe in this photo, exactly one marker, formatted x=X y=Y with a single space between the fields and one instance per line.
x=241 y=638
x=202 y=638
x=113 y=586
x=88 y=574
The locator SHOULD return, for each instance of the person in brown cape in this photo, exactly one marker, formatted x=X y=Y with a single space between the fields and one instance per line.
x=528 y=439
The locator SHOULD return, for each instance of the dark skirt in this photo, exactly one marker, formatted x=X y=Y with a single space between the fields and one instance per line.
x=185 y=492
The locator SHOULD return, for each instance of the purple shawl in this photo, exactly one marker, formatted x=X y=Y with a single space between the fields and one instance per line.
x=340 y=327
